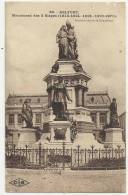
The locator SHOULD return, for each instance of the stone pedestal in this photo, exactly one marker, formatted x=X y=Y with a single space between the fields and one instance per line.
x=85 y=137
x=75 y=80
x=57 y=135
x=86 y=140
x=27 y=137
x=114 y=137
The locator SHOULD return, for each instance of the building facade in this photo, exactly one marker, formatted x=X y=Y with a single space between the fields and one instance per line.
x=98 y=104
x=122 y=122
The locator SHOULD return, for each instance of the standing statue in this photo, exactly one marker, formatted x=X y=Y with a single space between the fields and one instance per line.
x=27 y=114
x=59 y=102
x=114 y=122
x=67 y=42
x=72 y=42
x=62 y=41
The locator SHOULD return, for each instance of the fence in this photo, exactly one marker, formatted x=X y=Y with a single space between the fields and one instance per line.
x=73 y=158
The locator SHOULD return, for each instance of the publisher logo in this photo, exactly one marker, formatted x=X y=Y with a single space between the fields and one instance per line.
x=19 y=182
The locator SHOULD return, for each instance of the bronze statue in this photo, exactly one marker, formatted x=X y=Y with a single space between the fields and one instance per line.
x=62 y=41
x=59 y=102
x=114 y=122
x=27 y=114
x=55 y=68
x=67 y=42
x=72 y=42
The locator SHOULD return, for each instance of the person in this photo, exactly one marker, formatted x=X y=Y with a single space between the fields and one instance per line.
x=27 y=114
x=59 y=101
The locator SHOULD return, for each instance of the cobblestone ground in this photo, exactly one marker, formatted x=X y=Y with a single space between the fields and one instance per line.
x=67 y=181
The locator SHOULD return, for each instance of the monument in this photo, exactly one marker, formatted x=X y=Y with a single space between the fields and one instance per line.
x=67 y=118
x=114 y=132
x=27 y=132
x=67 y=89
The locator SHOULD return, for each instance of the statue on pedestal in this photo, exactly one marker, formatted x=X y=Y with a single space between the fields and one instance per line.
x=67 y=42
x=114 y=122
x=27 y=114
x=59 y=102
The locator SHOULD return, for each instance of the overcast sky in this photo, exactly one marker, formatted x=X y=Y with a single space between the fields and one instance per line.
x=31 y=47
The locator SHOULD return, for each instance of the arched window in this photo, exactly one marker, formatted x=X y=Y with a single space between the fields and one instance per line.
x=92 y=99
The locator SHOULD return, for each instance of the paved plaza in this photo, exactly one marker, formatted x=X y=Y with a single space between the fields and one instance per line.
x=67 y=181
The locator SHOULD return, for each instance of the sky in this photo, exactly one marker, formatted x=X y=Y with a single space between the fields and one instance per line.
x=31 y=48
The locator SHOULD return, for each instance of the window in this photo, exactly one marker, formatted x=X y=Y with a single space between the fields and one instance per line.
x=29 y=100
x=93 y=116
x=38 y=118
x=11 y=119
x=19 y=119
x=92 y=99
x=103 y=118
x=38 y=100
x=21 y=101
x=18 y=135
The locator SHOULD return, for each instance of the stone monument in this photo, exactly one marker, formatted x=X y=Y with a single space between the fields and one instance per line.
x=27 y=132
x=114 y=132
x=67 y=89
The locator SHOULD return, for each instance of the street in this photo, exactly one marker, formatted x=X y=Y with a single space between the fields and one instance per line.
x=67 y=181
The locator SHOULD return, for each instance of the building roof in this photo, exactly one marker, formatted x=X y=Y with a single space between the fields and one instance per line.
x=92 y=98
x=34 y=99
x=96 y=98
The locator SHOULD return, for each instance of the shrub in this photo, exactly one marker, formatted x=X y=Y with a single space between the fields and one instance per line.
x=103 y=163
x=16 y=161
x=59 y=158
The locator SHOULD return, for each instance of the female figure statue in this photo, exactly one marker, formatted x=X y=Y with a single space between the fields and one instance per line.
x=27 y=114
x=62 y=41
x=72 y=42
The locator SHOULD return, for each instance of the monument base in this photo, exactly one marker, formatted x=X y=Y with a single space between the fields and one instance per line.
x=57 y=135
x=85 y=137
x=114 y=137
x=27 y=137
x=60 y=131
x=54 y=145
x=86 y=140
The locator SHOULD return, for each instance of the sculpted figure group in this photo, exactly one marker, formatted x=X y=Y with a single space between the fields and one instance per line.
x=67 y=42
